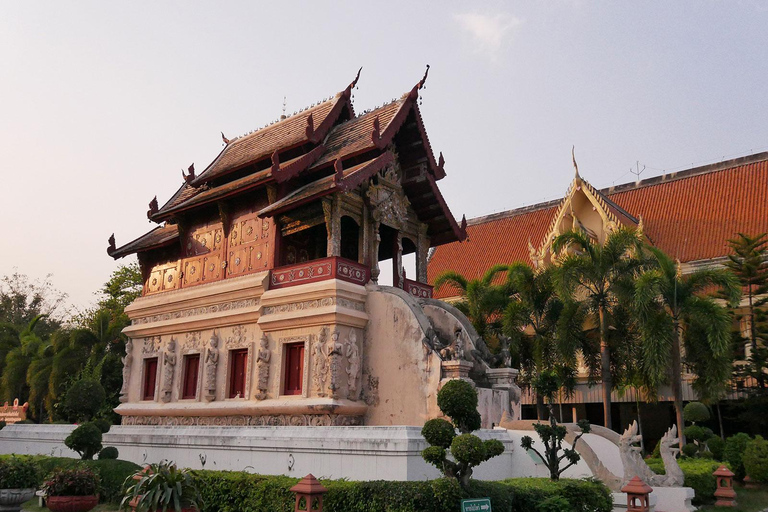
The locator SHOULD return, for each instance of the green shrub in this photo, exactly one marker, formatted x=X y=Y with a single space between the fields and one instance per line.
x=108 y=453
x=458 y=400
x=554 y=504
x=102 y=424
x=695 y=433
x=25 y=422
x=717 y=446
x=2 y=424
x=84 y=399
x=756 y=459
x=586 y=495
x=690 y=450
x=72 y=482
x=695 y=411
x=19 y=473
x=161 y=487
x=698 y=475
x=85 y=440
x=734 y=452
x=438 y=432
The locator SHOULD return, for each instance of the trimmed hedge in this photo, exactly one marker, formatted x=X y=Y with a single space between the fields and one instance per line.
x=698 y=475
x=112 y=472
x=230 y=491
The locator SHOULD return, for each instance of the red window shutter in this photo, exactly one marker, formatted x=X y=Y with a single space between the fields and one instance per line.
x=191 y=370
x=150 y=378
x=294 y=369
x=238 y=364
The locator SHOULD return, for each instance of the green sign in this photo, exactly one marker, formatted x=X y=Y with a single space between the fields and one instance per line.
x=476 y=505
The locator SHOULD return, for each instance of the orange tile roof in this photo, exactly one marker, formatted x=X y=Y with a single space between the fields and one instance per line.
x=689 y=214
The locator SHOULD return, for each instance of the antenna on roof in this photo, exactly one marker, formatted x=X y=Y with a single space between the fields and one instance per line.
x=637 y=171
x=282 y=116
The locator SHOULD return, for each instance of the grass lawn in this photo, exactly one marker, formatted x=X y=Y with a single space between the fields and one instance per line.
x=747 y=500
x=31 y=506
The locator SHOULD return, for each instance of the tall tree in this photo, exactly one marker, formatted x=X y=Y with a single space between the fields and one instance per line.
x=532 y=320
x=597 y=276
x=749 y=262
x=675 y=312
x=482 y=301
x=13 y=383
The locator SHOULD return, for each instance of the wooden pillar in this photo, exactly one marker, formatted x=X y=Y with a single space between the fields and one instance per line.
x=422 y=252
x=332 y=213
x=375 y=270
x=397 y=260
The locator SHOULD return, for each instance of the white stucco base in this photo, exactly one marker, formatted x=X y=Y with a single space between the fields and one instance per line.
x=356 y=453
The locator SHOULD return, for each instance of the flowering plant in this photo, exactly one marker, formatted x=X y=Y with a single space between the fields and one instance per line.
x=72 y=482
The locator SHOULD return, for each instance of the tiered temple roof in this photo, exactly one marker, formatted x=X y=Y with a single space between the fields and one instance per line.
x=689 y=214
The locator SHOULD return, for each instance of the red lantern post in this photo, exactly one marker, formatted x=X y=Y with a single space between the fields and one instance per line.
x=726 y=496
x=311 y=491
x=637 y=495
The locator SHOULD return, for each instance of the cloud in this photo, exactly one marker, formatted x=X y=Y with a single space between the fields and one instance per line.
x=488 y=32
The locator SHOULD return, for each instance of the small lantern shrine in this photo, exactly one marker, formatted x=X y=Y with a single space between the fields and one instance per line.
x=309 y=494
x=726 y=496
x=637 y=495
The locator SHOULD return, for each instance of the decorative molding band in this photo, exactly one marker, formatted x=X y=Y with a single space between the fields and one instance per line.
x=281 y=420
x=202 y=310
x=313 y=304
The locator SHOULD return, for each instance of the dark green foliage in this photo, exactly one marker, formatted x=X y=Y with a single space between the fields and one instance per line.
x=695 y=411
x=468 y=449
x=228 y=491
x=72 y=482
x=716 y=446
x=109 y=453
x=163 y=487
x=690 y=450
x=85 y=440
x=734 y=453
x=19 y=473
x=458 y=400
x=2 y=424
x=698 y=475
x=554 y=504
x=438 y=432
x=84 y=399
x=696 y=433
x=25 y=422
x=102 y=424
x=756 y=459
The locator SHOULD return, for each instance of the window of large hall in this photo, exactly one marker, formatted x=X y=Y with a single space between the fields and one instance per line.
x=191 y=371
x=150 y=379
x=238 y=362
x=294 y=369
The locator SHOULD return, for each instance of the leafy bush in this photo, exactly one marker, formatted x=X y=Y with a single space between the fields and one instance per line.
x=229 y=491
x=554 y=504
x=698 y=475
x=109 y=453
x=717 y=446
x=161 y=486
x=696 y=411
x=19 y=473
x=458 y=400
x=690 y=450
x=102 y=424
x=72 y=482
x=84 y=399
x=756 y=459
x=85 y=440
x=734 y=452
x=2 y=424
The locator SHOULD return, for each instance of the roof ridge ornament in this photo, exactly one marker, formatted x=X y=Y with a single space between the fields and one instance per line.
x=275 y=162
x=416 y=88
x=112 y=246
x=310 y=130
x=338 y=177
x=424 y=79
x=191 y=176
x=152 y=208
x=376 y=133
x=224 y=139
x=354 y=82
x=575 y=165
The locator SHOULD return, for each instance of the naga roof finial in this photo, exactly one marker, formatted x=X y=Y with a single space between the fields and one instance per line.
x=354 y=82
x=423 y=80
x=575 y=165
x=224 y=139
x=111 y=247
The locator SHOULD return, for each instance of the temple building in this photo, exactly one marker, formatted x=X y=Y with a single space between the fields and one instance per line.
x=690 y=215
x=260 y=303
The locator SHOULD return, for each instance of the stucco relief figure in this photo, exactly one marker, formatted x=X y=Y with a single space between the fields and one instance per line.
x=634 y=465
x=319 y=364
x=334 y=351
x=169 y=367
x=211 y=363
x=353 y=364
x=458 y=346
x=262 y=362
x=127 y=361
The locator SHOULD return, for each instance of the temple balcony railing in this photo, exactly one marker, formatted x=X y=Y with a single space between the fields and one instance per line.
x=417 y=289
x=319 y=270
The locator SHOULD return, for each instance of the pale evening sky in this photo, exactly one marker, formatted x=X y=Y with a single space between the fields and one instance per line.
x=103 y=103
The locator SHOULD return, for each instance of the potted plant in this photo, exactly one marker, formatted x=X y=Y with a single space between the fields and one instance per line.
x=72 y=490
x=19 y=479
x=161 y=487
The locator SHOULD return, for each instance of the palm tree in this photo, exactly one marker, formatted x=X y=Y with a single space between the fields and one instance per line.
x=482 y=301
x=597 y=276
x=674 y=312
x=532 y=320
x=24 y=344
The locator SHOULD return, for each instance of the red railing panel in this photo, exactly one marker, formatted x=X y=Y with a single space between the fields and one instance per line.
x=319 y=270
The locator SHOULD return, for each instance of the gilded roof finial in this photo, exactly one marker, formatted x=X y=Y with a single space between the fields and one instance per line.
x=575 y=165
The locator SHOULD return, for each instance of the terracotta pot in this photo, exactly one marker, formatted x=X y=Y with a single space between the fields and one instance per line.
x=11 y=499
x=71 y=503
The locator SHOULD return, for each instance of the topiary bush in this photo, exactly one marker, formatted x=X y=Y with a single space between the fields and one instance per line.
x=716 y=446
x=690 y=450
x=108 y=453
x=695 y=412
x=458 y=400
x=84 y=399
x=102 y=424
x=85 y=440
x=756 y=459
x=734 y=452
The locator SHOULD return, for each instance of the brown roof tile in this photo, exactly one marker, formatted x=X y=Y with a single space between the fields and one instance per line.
x=158 y=237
